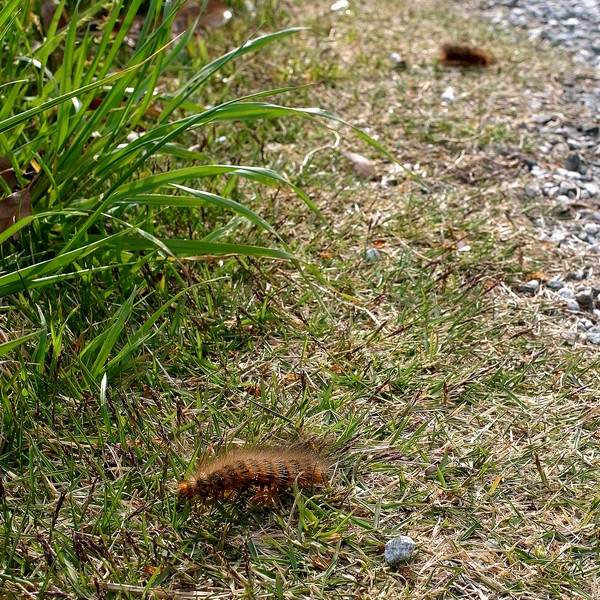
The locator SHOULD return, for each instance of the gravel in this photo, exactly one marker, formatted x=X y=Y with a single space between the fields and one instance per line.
x=564 y=175
x=573 y=24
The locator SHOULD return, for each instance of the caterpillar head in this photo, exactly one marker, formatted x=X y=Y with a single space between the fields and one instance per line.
x=195 y=486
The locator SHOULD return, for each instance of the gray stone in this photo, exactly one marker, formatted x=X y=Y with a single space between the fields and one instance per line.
x=593 y=335
x=572 y=305
x=531 y=191
x=537 y=171
x=399 y=549
x=372 y=255
x=592 y=189
x=556 y=284
x=571 y=338
x=573 y=160
x=567 y=187
x=578 y=275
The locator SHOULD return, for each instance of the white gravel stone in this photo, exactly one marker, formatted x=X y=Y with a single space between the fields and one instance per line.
x=572 y=305
x=399 y=549
x=593 y=335
x=372 y=255
x=567 y=293
x=448 y=95
x=591 y=228
x=566 y=186
x=592 y=189
x=533 y=285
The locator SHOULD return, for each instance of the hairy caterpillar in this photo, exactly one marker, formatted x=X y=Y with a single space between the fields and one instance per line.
x=269 y=470
x=466 y=56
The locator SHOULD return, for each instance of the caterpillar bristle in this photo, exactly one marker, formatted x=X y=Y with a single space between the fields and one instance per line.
x=269 y=470
x=465 y=56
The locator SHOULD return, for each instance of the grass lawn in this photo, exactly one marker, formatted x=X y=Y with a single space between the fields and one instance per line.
x=444 y=400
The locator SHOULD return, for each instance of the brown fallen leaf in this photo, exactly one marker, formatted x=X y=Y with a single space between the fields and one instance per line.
x=14 y=207
x=216 y=14
x=7 y=172
x=362 y=166
x=47 y=12
x=320 y=563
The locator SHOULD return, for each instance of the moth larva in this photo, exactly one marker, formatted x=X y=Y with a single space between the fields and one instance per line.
x=270 y=470
x=466 y=56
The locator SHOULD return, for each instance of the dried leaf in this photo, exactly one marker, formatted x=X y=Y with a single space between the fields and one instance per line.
x=320 y=563
x=7 y=172
x=538 y=275
x=362 y=166
x=216 y=14
x=14 y=207
x=47 y=11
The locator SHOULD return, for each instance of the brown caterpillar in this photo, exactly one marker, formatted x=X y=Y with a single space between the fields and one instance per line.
x=465 y=56
x=270 y=470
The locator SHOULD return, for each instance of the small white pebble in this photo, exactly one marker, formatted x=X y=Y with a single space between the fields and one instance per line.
x=567 y=293
x=399 y=549
x=593 y=335
x=533 y=285
x=448 y=95
x=591 y=228
x=372 y=255
x=592 y=189
x=573 y=305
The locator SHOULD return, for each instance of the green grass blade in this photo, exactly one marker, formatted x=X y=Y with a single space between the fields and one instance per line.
x=102 y=346
x=19 y=280
x=27 y=115
x=7 y=15
x=195 y=82
x=7 y=347
x=191 y=248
